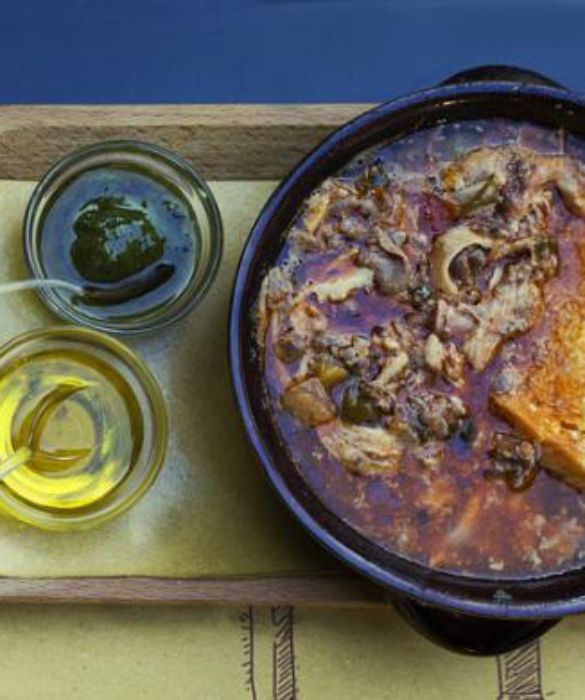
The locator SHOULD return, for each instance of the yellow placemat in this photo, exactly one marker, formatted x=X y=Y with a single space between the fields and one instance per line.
x=264 y=654
x=211 y=512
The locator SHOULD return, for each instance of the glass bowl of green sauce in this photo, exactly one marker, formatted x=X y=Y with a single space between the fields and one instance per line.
x=132 y=227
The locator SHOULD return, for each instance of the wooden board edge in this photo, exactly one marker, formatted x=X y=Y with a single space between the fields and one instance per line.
x=226 y=115
x=247 y=142
x=345 y=591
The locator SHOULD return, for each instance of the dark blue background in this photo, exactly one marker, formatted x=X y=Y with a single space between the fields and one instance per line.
x=272 y=50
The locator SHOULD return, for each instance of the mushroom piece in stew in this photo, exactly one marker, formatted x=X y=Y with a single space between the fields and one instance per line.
x=421 y=342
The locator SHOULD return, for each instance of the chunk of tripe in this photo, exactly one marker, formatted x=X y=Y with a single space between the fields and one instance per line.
x=548 y=406
x=362 y=449
x=342 y=286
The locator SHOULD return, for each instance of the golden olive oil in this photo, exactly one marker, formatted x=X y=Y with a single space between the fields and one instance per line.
x=70 y=424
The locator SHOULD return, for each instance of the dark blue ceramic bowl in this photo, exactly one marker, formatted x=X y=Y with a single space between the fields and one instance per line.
x=482 y=616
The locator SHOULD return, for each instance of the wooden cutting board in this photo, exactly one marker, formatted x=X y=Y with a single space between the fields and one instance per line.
x=230 y=142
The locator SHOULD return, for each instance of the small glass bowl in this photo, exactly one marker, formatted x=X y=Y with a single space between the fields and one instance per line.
x=164 y=167
x=112 y=362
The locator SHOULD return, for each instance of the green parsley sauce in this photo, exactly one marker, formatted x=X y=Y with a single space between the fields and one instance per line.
x=129 y=240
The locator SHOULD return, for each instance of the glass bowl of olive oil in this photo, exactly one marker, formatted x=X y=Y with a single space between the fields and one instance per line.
x=133 y=227
x=83 y=428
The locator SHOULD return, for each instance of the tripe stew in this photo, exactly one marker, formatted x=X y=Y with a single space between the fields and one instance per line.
x=422 y=339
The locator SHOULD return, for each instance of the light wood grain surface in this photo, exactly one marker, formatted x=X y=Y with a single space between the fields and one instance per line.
x=223 y=141
x=329 y=591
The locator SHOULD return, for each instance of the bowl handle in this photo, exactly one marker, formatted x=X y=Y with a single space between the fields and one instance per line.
x=467 y=634
x=507 y=74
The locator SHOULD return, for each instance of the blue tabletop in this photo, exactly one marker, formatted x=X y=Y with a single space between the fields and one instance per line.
x=63 y=51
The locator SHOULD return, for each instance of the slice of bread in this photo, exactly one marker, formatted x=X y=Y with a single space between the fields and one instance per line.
x=548 y=406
